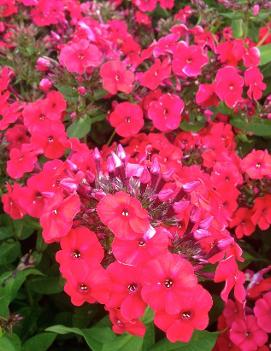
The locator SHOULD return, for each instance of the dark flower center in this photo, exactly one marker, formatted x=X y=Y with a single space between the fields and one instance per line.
x=76 y=254
x=168 y=283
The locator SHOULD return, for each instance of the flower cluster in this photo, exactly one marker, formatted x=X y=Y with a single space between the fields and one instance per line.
x=153 y=220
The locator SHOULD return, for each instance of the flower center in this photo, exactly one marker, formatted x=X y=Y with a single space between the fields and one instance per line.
x=258 y=165
x=76 y=254
x=132 y=287
x=83 y=288
x=125 y=213
x=231 y=87
x=189 y=60
x=168 y=283
x=128 y=119
x=50 y=139
x=186 y=315
x=141 y=242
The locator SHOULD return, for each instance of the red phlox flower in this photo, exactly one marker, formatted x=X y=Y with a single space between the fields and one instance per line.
x=17 y=136
x=262 y=311
x=8 y=8
x=262 y=212
x=165 y=279
x=10 y=202
x=127 y=119
x=55 y=105
x=167 y=4
x=142 y=18
x=9 y=112
x=116 y=77
x=206 y=96
x=57 y=217
x=188 y=60
x=233 y=310
x=125 y=289
x=145 y=5
x=5 y=77
x=77 y=57
x=79 y=247
x=263 y=33
x=87 y=283
x=227 y=270
x=124 y=215
x=229 y=85
x=247 y=335
x=34 y=116
x=252 y=57
x=31 y=197
x=165 y=113
x=51 y=139
x=231 y=52
x=165 y=45
x=47 y=12
x=242 y=222
x=21 y=161
x=135 y=252
x=257 y=164
x=122 y=325
x=254 y=80
x=193 y=314
x=156 y=74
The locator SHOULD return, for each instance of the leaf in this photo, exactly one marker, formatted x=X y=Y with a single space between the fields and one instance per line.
x=192 y=126
x=257 y=126
x=79 y=128
x=149 y=338
x=46 y=285
x=201 y=341
x=10 y=285
x=125 y=342
x=39 y=342
x=265 y=51
x=10 y=343
x=101 y=338
x=238 y=27
x=10 y=250
x=5 y=233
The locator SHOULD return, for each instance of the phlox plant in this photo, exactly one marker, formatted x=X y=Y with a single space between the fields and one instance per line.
x=135 y=175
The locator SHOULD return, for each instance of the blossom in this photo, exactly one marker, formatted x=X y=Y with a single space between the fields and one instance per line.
x=262 y=312
x=76 y=57
x=188 y=60
x=145 y=5
x=254 y=80
x=262 y=212
x=127 y=119
x=166 y=112
x=21 y=161
x=122 y=325
x=164 y=280
x=205 y=95
x=229 y=85
x=156 y=74
x=247 y=335
x=54 y=105
x=137 y=251
x=257 y=164
x=227 y=270
x=58 y=215
x=86 y=283
x=79 y=247
x=193 y=314
x=124 y=215
x=10 y=202
x=125 y=290
x=116 y=77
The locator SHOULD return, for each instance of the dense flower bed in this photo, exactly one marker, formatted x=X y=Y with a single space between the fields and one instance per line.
x=135 y=161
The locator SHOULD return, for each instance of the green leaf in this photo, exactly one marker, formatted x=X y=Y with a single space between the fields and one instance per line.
x=265 y=51
x=46 y=285
x=238 y=27
x=39 y=342
x=10 y=343
x=5 y=233
x=201 y=341
x=79 y=128
x=257 y=126
x=67 y=90
x=10 y=285
x=10 y=250
x=125 y=342
x=192 y=126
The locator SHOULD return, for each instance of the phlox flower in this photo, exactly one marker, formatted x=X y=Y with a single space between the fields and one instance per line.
x=124 y=215
x=262 y=311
